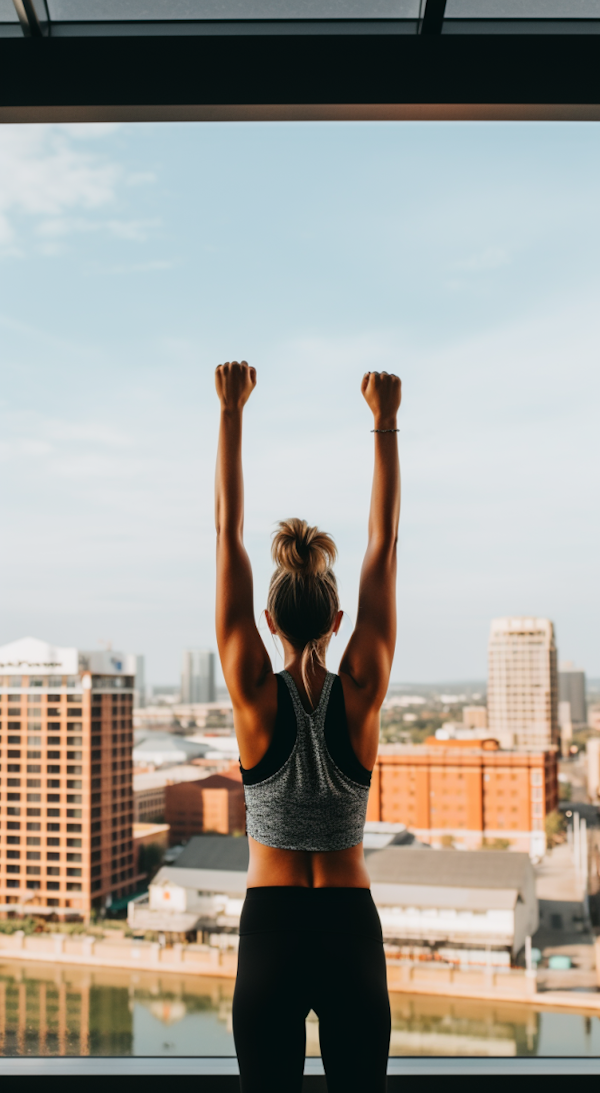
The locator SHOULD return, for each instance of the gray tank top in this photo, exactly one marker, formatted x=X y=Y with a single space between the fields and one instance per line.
x=308 y=803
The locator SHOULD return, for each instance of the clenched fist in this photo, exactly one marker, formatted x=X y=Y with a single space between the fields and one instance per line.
x=383 y=393
x=235 y=383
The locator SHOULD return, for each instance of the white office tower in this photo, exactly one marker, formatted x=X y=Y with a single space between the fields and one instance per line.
x=139 y=695
x=566 y=727
x=571 y=689
x=522 y=683
x=592 y=748
x=198 y=676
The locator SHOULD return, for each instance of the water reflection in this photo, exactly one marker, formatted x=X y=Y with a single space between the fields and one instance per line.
x=45 y=1010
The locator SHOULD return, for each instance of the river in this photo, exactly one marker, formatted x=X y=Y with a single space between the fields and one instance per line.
x=47 y=1010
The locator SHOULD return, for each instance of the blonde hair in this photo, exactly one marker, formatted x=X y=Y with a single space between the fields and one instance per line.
x=303 y=595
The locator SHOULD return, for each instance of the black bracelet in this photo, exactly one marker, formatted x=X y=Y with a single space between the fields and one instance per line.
x=385 y=430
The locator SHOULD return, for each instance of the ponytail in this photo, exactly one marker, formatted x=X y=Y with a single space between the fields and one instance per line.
x=303 y=597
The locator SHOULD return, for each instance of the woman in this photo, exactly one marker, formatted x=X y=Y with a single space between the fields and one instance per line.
x=310 y=936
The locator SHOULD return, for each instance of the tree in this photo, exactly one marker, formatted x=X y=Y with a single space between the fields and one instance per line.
x=555 y=828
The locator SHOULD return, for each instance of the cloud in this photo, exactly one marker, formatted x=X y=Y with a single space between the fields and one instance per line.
x=36 y=435
x=47 y=172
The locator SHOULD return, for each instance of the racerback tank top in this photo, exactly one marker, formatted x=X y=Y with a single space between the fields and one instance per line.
x=309 y=792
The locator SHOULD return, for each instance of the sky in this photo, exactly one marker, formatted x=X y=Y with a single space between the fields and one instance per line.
x=463 y=257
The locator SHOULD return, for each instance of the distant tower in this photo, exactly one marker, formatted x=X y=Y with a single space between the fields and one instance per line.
x=198 y=676
x=571 y=688
x=140 y=682
x=522 y=683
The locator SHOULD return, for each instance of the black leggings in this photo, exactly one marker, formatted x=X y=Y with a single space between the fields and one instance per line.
x=303 y=949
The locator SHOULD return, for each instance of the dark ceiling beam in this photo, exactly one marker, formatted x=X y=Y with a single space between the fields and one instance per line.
x=433 y=17
x=335 y=76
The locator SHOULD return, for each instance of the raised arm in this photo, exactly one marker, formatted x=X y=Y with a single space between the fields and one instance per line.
x=370 y=651
x=243 y=656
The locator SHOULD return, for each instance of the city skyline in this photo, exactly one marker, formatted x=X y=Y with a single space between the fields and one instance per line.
x=150 y=261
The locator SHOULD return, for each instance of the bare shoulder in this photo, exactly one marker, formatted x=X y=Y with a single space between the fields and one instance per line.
x=362 y=715
x=254 y=716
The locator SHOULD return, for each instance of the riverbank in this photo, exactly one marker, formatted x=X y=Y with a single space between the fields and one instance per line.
x=512 y=985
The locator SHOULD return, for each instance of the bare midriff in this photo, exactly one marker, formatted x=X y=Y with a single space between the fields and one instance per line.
x=270 y=867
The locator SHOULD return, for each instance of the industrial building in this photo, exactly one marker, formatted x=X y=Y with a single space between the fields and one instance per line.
x=458 y=907
x=472 y=908
x=202 y=893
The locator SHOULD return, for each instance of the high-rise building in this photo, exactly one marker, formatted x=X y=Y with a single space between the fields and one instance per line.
x=139 y=697
x=592 y=748
x=566 y=727
x=522 y=691
x=198 y=676
x=571 y=689
x=66 y=808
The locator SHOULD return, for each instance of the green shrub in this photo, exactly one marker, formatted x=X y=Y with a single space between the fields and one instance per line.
x=11 y=925
x=555 y=825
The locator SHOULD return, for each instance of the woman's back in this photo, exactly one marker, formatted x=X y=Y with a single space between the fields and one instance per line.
x=303 y=610
x=308 y=742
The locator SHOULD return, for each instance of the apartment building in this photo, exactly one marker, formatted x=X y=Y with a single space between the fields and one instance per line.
x=66 y=807
x=522 y=695
x=462 y=792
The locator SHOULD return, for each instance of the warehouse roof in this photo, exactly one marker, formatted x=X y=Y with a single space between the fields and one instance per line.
x=450 y=868
x=229 y=852
x=229 y=881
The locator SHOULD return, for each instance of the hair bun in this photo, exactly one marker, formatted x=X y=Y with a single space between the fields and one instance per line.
x=298 y=548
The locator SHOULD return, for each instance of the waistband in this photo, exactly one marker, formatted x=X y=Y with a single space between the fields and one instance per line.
x=330 y=910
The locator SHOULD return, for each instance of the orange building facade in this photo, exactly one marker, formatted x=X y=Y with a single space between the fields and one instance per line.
x=466 y=791
x=210 y=804
x=66 y=798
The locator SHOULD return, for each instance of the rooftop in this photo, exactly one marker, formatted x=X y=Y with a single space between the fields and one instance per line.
x=230 y=882
x=142 y=831
x=166 y=776
x=485 y=869
x=162 y=748
x=227 y=852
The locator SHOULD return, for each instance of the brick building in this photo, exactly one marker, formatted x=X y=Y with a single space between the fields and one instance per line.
x=66 y=807
x=466 y=791
x=210 y=804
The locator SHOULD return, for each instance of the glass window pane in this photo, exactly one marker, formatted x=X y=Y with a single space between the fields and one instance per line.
x=121 y=10
x=7 y=12
x=523 y=9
